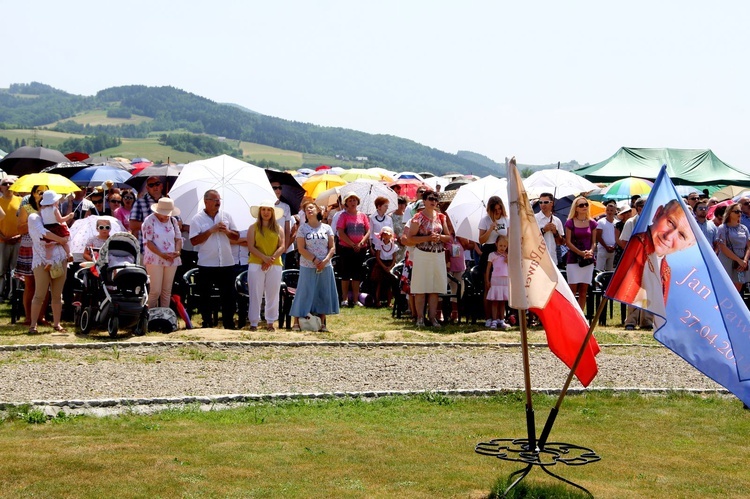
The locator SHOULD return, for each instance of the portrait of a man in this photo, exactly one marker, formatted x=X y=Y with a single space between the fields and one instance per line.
x=645 y=284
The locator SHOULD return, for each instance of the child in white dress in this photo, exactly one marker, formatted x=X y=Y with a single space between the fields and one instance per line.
x=496 y=280
x=385 y=249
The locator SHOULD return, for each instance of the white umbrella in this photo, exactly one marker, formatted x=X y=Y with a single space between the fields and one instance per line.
x=368 y=191
x=84 y=229
x=470 y=204
x=559 y=183
x=240 y=185
x=433 y=182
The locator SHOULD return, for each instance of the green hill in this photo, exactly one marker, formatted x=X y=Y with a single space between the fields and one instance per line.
x=140 y=113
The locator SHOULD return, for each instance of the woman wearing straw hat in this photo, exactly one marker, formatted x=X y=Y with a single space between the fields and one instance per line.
x=162 y=242
x=265 y=243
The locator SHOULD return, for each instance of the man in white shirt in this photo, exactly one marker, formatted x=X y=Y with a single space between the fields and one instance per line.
x=552 y=227
x=210 y=233
x=605 y=238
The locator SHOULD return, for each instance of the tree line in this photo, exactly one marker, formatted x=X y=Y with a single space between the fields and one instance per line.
x=172 y=109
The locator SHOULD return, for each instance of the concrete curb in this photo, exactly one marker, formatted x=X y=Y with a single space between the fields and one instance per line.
x=117 y=406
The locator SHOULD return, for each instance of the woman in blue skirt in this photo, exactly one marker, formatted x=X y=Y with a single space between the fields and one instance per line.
x=316 y=286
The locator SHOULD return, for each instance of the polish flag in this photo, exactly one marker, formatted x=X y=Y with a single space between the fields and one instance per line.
x=537 y=285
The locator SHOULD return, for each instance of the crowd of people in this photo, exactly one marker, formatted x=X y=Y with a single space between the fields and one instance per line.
x=34 y=243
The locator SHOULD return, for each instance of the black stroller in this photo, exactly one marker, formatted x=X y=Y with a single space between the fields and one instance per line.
x=114 y=290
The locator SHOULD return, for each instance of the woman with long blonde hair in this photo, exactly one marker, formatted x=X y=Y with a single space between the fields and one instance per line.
x=265 y=244
x=580 y=239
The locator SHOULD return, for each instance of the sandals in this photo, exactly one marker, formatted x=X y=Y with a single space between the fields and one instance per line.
x=33 y=330
x=323 y=329
x=59 y=331
x=270 y=328
x=253 y=328
x=296 y=328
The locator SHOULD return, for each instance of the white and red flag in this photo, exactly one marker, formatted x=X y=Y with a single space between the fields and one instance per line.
x=538 y=286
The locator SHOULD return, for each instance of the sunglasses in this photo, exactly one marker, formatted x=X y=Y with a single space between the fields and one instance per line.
x=103 y=227
x=154 y=184
x=583 y=205
x=128 y=197
x=6 y=184
x=97 y=201
x=701 y=208
x=545 y=202
x=431 y=198
x=115 y=201
x=735 y=211
x=693 y=199
x=276 y=187
x=745 y=203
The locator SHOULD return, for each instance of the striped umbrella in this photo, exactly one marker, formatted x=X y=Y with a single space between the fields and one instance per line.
x=627 y=187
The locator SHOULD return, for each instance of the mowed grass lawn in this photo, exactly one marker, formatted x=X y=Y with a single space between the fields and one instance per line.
x=423 y=446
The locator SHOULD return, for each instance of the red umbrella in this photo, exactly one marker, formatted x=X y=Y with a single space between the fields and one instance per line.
x=77 y=156
x=408 y=187
x=322 y=167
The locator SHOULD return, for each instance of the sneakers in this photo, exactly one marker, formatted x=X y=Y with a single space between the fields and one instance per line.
x=488 y=323
x=436 y=323
x=420 y=322
x=503 y=325
x=344 y=303
x=493 y=324
x=629 y=327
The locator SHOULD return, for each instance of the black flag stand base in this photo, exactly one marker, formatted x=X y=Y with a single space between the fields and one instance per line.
x=517 y=450
x=533 y=452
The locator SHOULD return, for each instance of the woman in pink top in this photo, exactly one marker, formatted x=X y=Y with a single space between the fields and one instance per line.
x=122 y=211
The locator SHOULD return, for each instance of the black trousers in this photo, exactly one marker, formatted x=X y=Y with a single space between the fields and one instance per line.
x=221 y=278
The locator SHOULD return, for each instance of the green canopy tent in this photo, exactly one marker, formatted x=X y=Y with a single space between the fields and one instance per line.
x=697 y=167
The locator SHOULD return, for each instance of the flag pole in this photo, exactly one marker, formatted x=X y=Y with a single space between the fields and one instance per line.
x=553 y=412
x=530 y=425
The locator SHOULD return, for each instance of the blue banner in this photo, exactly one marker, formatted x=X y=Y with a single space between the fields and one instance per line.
x=671 y=270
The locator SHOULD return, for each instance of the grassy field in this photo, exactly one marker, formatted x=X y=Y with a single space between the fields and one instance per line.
x=149 y=148
x=392 y=447
x=99 y=117
x=421 y=446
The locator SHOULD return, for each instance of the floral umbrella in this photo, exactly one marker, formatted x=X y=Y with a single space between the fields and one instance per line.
x=627 y=187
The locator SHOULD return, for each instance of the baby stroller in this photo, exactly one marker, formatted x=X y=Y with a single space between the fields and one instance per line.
x=114 y=289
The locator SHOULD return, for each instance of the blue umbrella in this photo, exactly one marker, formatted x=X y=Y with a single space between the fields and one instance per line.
x=98 y=174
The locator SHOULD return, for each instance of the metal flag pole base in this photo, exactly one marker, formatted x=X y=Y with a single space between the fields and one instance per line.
x=518 y=450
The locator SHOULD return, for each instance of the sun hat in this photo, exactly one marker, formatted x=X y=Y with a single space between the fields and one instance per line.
x=165 y=207
x=51 y=198
x=255 y=210
x=350 y=195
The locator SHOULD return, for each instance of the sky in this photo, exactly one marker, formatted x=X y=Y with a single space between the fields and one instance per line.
x=544 y=81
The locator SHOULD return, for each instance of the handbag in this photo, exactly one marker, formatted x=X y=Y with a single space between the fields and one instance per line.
x=57 y=270
x=584 y=262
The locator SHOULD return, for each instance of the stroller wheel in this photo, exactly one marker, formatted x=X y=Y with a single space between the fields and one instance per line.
x=86 y=320
x=142 y=327
x=113 y=324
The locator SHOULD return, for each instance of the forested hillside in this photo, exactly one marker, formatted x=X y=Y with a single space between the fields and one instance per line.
x=171 y=109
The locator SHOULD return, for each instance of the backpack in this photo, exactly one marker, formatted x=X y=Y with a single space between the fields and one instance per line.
x=162 y=319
